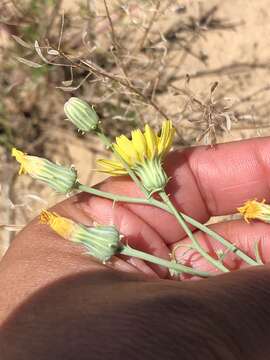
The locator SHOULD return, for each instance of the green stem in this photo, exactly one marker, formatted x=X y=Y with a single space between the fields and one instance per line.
x=159 y=204
x=233 y=248
x=128 y=251
x=106 y=141
x=114 y=197
x=195 y=242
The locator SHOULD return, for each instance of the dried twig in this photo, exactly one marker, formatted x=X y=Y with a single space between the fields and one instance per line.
x=141 y=43
x=114 y=38
x=236 y=67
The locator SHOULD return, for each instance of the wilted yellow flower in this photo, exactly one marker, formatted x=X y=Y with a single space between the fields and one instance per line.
x=60 y=178
x=143 y=154
x=253 y=209
x=102 y=241
x=61 y=225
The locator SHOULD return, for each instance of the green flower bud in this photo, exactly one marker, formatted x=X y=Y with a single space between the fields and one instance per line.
x=81 y=114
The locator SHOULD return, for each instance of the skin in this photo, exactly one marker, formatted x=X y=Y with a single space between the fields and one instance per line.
x=57 y=303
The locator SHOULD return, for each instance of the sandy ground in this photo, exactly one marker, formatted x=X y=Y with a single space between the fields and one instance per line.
x=249 y=43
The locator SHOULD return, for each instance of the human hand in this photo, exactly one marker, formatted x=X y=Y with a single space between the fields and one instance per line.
x=42 y=271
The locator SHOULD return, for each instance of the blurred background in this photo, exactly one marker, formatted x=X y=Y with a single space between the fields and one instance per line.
x=203 y=64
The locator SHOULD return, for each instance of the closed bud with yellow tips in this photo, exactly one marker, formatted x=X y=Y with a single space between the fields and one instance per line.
x=102 y=242
x=60 y=178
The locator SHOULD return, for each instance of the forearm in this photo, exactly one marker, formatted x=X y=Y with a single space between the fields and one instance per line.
x=111 y=315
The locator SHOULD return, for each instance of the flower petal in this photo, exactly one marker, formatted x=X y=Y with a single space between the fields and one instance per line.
x=139 y=144
x=61 y=225
x=112 y=167
x=31 y=165
x=166 y=138
x=151 y=142
x=125 y=149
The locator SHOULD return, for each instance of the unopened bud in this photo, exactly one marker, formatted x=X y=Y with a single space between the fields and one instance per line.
x=102 y=242
x=81 y=114
x=60 y=178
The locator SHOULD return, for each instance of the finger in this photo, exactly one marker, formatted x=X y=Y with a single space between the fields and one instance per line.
x=244 y=236
x=225 y=175
x=205 y=182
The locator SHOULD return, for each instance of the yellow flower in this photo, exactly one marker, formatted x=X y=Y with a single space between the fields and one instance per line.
x=101 y=242
x=252 y=209
x=143 y=154
x=60 y=178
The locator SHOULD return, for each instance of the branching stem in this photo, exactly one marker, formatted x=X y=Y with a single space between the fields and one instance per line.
x=216 y=263
x=153 y=202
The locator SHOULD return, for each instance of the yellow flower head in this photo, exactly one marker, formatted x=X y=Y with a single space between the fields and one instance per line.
x=61 y=225
x=143 y=154
x=60 y=178
x=141 y=147
x=252 y=209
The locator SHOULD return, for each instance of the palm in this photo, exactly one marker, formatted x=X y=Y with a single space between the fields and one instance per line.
x=205 y=182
